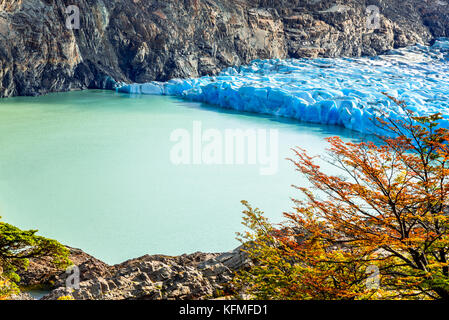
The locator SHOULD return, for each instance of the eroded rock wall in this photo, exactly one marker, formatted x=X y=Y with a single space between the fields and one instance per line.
x=145 y=40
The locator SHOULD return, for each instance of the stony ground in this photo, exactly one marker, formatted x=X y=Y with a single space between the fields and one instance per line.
x=194 y=276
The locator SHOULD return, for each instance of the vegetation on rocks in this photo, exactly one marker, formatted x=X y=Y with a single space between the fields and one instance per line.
x=17 y=247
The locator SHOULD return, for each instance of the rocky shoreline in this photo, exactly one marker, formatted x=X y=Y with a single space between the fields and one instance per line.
x=194 y=276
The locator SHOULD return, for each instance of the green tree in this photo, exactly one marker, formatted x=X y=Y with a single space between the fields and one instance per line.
x=17 y=247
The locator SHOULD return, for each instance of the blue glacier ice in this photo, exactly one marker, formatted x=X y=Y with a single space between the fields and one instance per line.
x=344 y=91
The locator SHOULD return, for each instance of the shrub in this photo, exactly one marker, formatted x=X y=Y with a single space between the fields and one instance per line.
x=17 y=247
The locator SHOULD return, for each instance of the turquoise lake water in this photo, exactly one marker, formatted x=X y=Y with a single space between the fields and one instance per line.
x=92 y=169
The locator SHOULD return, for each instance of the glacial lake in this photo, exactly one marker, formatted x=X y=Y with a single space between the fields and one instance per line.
x=93 y=170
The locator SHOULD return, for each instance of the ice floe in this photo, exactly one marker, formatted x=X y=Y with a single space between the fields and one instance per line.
x=343 y=91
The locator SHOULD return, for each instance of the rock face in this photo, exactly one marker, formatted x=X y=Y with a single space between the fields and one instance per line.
x=145 y=40
x=195 y=276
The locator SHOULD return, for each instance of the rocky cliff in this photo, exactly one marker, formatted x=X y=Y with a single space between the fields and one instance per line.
x=144 y=40
x=195 y=276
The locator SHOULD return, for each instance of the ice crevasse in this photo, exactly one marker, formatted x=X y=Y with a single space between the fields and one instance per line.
x=342 y=91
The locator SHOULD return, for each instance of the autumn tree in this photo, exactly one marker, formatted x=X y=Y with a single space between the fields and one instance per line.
x=17 y=247
x=376 y=228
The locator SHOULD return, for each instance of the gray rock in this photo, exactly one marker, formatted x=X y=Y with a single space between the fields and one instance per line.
x=140 y=41
x=21 y=296
x=195 y=276
x=41 y=273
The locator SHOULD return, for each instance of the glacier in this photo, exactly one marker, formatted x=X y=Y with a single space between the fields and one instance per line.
x=346 y=92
